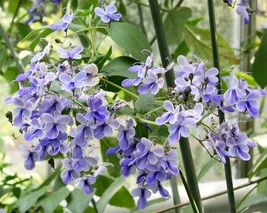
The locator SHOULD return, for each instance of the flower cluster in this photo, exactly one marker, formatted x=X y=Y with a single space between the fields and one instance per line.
x=229 y=141
x=37 y=10
x=149 y=78
x=154 y=164
x=195 y=97
x=56 y=112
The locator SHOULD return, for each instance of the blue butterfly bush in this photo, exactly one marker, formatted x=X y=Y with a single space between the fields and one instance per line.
x=61 y=108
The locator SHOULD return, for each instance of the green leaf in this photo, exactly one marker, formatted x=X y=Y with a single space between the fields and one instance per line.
x=51 y=177
x=34 y=33
x=141 y=130
x=261 y=163
x=182 y=49
x=103 y=183
x=104 y=59
x=109 y=192
x=199 y=42
x=76 y=204
x=130 y=38
x=174 y=24
x=105 y=144
x=10 y=75
x=85 y=4
x=122 y=194
x=119 y=67
x=144 y=103
x=36 y=40
x=259 y=65
x=52 y=200
x=30 y=200
x=206 y=168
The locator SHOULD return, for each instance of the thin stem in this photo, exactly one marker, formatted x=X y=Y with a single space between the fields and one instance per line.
x=190 y=171
x=216 y=194
x=119 y=87
x=227 y=165
x=162 y=42
x=169 y=76
x=189 y=193
x=12 y=51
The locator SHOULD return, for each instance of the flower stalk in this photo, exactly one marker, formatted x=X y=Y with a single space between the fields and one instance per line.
x=216 y=62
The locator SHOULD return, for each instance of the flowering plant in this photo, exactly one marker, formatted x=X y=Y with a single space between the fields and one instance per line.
x=73 y=101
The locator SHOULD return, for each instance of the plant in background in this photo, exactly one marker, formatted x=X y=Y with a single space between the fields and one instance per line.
x=69 y=104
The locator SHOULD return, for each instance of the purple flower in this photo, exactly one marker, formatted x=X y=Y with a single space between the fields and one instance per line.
x=181 y=127
x=36 y=11
x=85 y=183
x=238 y=143
x=105 y=128
x=169 y=162
x=55 y=124
x=84 y=131
x=22 y=111
x=108 y=14
x=151 y=83
x=249 y=104
x=126 y=134
x=72 y=83
x=242 y=10
x=233 y=94
x=42 y=54
x=65 y=22
x=97 y=110
x=68 y=174
x=37 y=131
x=170 y=116
x=219 y=146
x=143 y=194
x=70 y=54
x=30 y=155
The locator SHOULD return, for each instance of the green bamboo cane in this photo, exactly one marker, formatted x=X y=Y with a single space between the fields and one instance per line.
x=216 y=62
x=169 y=76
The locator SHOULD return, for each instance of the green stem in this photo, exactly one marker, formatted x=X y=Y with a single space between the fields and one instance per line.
x=12 y=51
x=184 y=143
x=162 y=42
x=190 y=172
x=189 y=193
x=119 y=87
x=227 y=165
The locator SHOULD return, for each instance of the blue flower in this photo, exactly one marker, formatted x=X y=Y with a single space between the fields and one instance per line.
x=22 y=111
x=219 y=146
x=249 y=104
x=65 y=22
x=72 y=83
x=108 y=14
x=70 y=54
x=55 y=124
x=242 y=10
x=68 y=174
x=234 y=93
x=85 y=183
x=170 y=116
x=30 y=155
x=143 y=194
x=126 y=134
x=152 y=83
x=97 y=110
x=238 y=143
